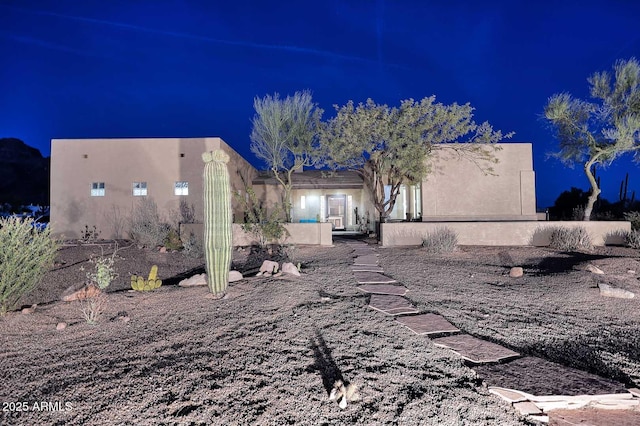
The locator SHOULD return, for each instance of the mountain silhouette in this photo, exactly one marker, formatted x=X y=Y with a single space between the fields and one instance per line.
x=24 y=174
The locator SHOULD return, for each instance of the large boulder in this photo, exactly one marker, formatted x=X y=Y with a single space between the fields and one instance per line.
x=196 y=280
x=290 y=268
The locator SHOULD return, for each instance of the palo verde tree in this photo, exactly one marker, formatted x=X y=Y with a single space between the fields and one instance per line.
x=391 y=146
x=598 y=132
x=285 y=137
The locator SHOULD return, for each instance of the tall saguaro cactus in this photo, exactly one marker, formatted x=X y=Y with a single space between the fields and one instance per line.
x=217 y=221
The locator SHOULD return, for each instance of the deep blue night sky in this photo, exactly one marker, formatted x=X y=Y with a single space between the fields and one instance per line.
x=160 y=68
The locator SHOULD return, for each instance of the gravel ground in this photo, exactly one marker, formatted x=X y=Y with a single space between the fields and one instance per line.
x=270 y=352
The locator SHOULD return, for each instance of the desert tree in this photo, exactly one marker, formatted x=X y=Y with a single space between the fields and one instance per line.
x=599 y=131
x=392 y=145
x=285 y=136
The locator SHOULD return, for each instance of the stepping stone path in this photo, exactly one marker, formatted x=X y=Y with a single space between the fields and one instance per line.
x=576 y=405
x=427 y=324
x=398 y=290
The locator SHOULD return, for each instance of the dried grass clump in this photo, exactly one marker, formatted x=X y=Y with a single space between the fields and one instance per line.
x=440 y=240
x=632 y=239
x=147 y=229
x=634 y=218
x=570 y=239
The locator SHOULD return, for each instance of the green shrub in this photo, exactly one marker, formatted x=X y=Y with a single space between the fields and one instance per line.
x=147 y=229
x=25 y=255
x=570 y=239
x=264 y=226
x=632 y=239
x=634 y=218
x=440 y=240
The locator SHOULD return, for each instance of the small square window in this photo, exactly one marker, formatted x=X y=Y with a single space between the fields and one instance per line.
x=181 y=188
x=139 y=189
x=97 y=189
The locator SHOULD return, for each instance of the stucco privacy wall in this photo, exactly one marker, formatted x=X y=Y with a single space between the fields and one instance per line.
x=457 y=189
x=518 y=233
x=299 y=233
x=77 y=163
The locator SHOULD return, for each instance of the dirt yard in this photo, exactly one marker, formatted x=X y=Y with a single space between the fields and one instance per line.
x=270 y=352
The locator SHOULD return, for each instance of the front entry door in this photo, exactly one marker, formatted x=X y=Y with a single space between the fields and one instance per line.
x=336 y=210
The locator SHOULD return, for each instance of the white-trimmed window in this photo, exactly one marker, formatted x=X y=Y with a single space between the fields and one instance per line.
x=181 y=188
x=139 y=189
x=97 y=189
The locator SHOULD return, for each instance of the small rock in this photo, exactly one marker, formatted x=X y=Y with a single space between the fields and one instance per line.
x=593 y=269
x=608 y=291
x=278 y=274
x=84 y=292
x=28 y=310
x=631 y=271
x=235 y=276
x=516 y=272
x=163 y=249
x=269 y=266
x=61 y=326
x=290 y=268
x=266 y=274
x=259 y=274
x=196 y=280
x=124 y=318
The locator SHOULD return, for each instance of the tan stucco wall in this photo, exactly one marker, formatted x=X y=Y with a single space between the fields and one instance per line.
x=519 y=233
x=299 y=233
x=119 y=163
x=457 y=189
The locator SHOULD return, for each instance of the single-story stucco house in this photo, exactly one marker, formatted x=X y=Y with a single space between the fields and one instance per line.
x=97 y=182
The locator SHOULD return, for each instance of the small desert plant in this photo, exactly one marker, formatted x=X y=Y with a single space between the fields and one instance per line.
x=187 y=212
x=440 y=240
x=147 y=229
x=89 y=234
x=172 y=241
x=634 y=218
x=117 y=220
x=290 y=252
x=104 y=271
x=25 y=255
x=569 y=239
x=92 y=307
x=192 y=247
x=632 y=239
x=102 y=275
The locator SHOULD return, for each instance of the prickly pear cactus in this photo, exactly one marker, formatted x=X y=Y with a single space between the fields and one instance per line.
x=218 y=237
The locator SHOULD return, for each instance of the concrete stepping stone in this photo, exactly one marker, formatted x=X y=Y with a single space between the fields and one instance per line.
x=427 y=324
x=508 y=395
x=368 y=259
x=527 y=408
x=366 y=268
x=366 y=277
x=391 y=305
x=397 y=290
x=359 y=253
x=475 y=350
